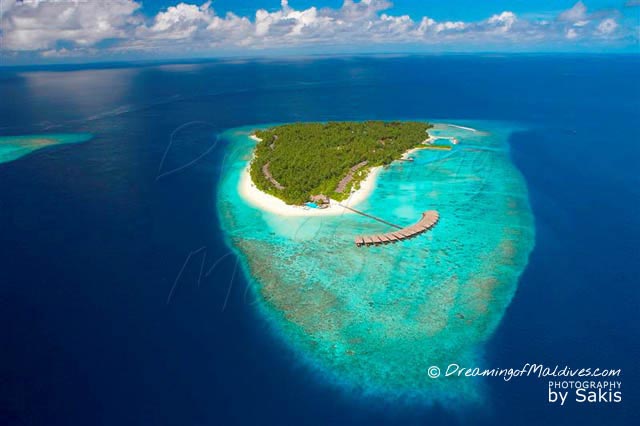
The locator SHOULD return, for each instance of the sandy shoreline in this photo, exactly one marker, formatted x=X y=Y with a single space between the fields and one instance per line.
x=252 y=195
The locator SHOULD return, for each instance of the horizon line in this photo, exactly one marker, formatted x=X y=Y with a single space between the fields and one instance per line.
x=296 y=56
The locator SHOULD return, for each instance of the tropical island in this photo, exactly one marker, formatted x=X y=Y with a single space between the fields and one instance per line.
x=317 y=162
x=378 y=325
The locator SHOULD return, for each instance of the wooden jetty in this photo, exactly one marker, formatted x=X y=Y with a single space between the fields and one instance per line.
x=369 y=216
x=426 y=222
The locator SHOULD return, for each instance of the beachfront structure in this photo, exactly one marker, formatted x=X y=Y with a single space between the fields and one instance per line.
x=319 y=199
x=428 y=220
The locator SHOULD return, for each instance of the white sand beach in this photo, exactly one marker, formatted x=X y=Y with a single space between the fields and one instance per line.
x=252 y=195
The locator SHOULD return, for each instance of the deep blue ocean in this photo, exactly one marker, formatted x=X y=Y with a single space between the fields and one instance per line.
x=100 y=327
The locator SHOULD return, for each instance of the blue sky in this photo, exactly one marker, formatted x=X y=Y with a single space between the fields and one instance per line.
x=465 y=10
x=77 y=30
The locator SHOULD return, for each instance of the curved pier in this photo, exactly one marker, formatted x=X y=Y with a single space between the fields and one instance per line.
x=426 y=222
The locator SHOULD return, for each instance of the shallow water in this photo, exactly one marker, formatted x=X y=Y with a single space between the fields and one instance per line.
x=14 y=147
x=375 y=319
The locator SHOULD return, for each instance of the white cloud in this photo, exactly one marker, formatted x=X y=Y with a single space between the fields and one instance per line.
x=571 y=33
x=365 y=9
x=178 y=22
x=577 y=13
x=231 y=28
x=503 y=21
x=607 y=26
x=69 y=27
x=39 y=25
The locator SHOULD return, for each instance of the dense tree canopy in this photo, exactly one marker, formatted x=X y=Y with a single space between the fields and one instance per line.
x=296 y=161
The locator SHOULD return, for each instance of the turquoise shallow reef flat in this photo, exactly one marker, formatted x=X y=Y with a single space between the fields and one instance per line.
x=375 y=319
x=14 y=147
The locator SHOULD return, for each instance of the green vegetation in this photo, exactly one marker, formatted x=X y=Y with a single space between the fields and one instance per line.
x=297 y=161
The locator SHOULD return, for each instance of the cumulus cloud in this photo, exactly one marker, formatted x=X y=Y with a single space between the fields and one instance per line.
x=183 y=21
x=576 y=14
x=571 y=33
x=40 y=25
x=68 y=27
x=583 y=24
x=607 y=26
x=503 y=21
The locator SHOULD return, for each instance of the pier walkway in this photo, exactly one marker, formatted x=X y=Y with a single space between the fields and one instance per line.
x=428 y=220
x=370 y=216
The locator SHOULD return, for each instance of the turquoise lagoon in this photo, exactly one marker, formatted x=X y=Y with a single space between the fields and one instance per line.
x=375 y=319
x=14 y=147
